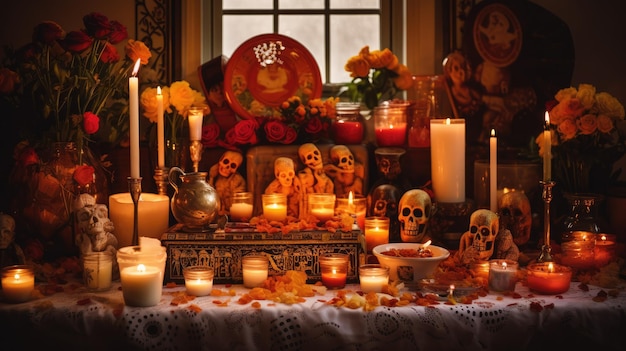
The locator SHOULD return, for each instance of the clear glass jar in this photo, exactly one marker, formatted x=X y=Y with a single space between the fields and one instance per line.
x=349 y=127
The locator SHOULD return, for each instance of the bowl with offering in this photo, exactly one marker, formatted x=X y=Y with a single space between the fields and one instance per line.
x=410 y=262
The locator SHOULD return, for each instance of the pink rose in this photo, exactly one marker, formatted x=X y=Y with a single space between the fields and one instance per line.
x=118 y=32
x=109 y=54
x=605 y=123
x=210 y=135
x=76 y=41
x=47 y=32
x=244 y=132
x=83 y=175
x=91 y=122
x=587 y=124
x=97 y=25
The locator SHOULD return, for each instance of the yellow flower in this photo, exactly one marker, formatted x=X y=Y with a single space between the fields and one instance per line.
x=608 y=105
x=586 y=95
x=182 y=97
x=357 y=66
x=149 y=104
x=404 y=80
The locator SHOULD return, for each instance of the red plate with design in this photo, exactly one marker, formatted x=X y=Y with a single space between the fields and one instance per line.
x=266 y=70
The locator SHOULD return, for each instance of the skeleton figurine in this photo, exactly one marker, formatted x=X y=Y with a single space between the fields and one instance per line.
x=223 y=176
x=287 y=183
x=415 y=208
x=10 y=252
x=477 y=244
x=515 y=215
x=383 y=202
x=94 y=228
x=313 y=177
x=346 y=172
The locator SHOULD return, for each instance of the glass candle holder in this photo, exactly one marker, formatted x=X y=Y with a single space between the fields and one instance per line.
x=274 y=207
x=548 y=278
x=322 y=206
x=376 y=232
x=577 y=249
x=355 y=206
x=334 y=270
x=97 y=270
x=604 y=249
x=502 y=275
x=141 y=274
x=348 y=127
x=390 y=124
x=198 y=280
x=373 y=277
x=18 y=283
x=480 y=269
x=241 y=208
x=255 y=270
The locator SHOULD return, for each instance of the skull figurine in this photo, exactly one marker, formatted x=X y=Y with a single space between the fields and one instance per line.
x=342 y=158
x=311 y=156
x=383 y=202
x=515 y=215
x=95 y=227
x=479 y=240
x=284 y=171
x=229 y=163
x=414 y=212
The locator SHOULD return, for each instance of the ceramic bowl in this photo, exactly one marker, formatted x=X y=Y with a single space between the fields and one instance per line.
x=410 y=270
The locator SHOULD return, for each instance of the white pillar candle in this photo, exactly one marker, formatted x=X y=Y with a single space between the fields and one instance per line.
x=195 y=117
x=153 y=217
x=141 y=285
x=160 y=130
x=133 y=106
x=448 y=159
x=547 y=150
x=18 y=283
x=255 y=270
x=493 y=171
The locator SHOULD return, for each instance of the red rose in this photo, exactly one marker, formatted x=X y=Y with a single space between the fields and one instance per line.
x=314 y=127
x=8 y=79
x=109 y=54
x=76 y=41
x=210 y=134
x=48 y=31
x=28 y=157
x=97 y=25
x=244 y=132
x=118 y=32
x=83 y=174
x=275 y=131
x=91 y=122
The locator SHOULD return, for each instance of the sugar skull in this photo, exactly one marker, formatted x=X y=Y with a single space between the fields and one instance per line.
x=515 y=215
x=229 y=163
x=311 y=156
x=284 y=171
x=414 y=212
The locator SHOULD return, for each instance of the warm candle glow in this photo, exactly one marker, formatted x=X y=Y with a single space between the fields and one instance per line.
x=493 y=171
x=448 y=159
x=503 y=265
x=160 y=129
x=550 y=267
x=547 y=152
x=133 y=105
x=136 y=67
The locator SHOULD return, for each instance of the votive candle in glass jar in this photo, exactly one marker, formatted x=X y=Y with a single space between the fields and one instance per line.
x=274 y=207
x=198 y=280
x=502 y=275
x=255 y=270
x=241 y=208
x=548 y=278
x=373 y=277
x=97 y=270
x=354 y=205
x=334 y=270
x=141 y=274
x=18 y=283
x=322 y=206
x=348 y=126
x=577 y=249
x=480 y=269
x=390 y=124
x=376 y=232
x=605 y=249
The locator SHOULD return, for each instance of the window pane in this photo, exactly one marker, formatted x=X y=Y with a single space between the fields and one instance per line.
x=300 y=4
x=247 y=4
x=349 y=34
x=239 y=28
x=309 y=31
x=354 y=4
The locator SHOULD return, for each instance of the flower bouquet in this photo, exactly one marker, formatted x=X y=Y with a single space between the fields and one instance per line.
x=590 y=133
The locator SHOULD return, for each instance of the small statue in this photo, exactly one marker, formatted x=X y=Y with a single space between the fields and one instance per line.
x=346 y=172
x=313 y=177
x=223 y=176
x=287 y=183
x=414 y=211
x=478 y=242
x=10 y=252
x=505 y=247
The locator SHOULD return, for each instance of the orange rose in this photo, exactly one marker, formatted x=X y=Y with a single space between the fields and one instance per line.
x=605 y=123
x=404 y=80
x=568 y=129
x=587 y=124
x=357 y=66
x=8 y=79
x=136 y=49
x=380 y=58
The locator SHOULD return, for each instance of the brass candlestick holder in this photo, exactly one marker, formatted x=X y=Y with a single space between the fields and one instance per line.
x=546 y=194
x=134 y=187
x=161 y=177
x=195 y=149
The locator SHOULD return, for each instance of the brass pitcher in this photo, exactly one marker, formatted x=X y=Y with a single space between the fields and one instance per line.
x=195 y=203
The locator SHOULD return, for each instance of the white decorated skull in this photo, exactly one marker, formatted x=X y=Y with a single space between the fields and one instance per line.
x=284 y=170
x=342 y=158
x=515 y=215
x=91 y=218
x=311 y=156
x=484 y=226
x=414 y=212
x=229 y=163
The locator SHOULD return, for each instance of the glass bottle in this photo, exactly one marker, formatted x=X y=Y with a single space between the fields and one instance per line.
x=425 y=107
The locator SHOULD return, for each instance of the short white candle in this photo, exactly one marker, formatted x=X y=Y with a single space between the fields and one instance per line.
x=195 y=123
x=323 y=213
x=447 y=140
x=154 y=212
x=275 y=212
x=373 y=283
x=255 y=270
x=502 y=275
x=240 y=211
x=493 y=171
x=141 y=285
x=97 y=271
x=160 y=129
x=199 y=287
x=17 y=284
x=133 y=107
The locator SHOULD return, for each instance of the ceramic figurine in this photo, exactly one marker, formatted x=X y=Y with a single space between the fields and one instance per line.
x=313 y=178
x=223 y=176
x=478 y=242
x=10 y=252
x=287 y=183
x=414 y=211
x=345 y=171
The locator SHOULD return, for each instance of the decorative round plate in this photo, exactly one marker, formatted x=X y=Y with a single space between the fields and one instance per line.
x=266 y=70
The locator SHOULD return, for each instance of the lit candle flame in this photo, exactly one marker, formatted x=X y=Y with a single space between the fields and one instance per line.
x=141 y=268
x=136 y=68
x=334 y=271
x=493 y=133
x=426 y=244
x=504 y=265
x=159 y=90
x=16 y=276
x=547 y=117
x=603 y=237
x=350 y=198
x=448 y=121
x=550 y=267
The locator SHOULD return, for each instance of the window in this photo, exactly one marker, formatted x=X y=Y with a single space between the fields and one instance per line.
x=332 y=30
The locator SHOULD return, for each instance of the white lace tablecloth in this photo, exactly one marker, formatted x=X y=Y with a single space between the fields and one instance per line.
x=80 y=320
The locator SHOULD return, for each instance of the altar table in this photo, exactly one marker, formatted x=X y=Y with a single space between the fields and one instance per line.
x=76 y=319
